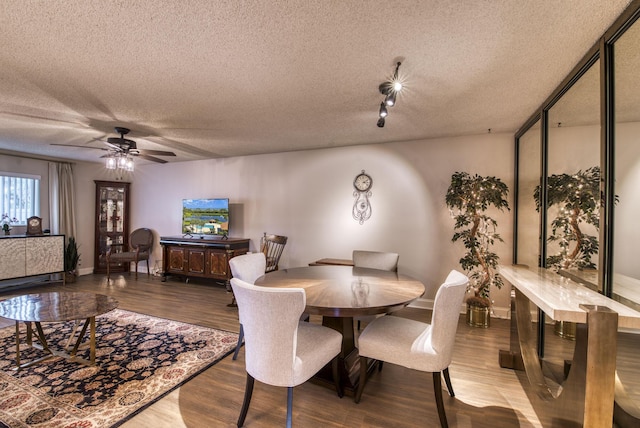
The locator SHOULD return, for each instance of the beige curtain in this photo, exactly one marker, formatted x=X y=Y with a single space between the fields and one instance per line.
x=62 y=199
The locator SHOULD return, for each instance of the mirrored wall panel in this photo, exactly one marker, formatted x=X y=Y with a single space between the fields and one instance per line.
x=528 y=214
x=573 y=180
x=626 y=264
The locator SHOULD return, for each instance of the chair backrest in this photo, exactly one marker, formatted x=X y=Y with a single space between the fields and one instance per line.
x=248 y=267
x=376 y=260
x=270 y=319
x=440 y=336
x=142 y=238
x=272 y=247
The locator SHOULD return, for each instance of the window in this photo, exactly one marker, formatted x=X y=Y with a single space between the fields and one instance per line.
x=19 y=197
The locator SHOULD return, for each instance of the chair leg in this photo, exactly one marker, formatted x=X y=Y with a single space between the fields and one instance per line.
x=336 y=377
x=108 y=271
x=148 y=270
x=240 y=337
x=248 y=391
x=362 y=380
x=289 y=405
x=136 y=269
x=437 y=389
x=447 y=380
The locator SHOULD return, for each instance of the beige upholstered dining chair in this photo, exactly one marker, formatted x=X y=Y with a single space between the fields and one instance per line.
x=140 y=246
x=417 y=345
x=374 y=260
x=272 y=246
x=280 y=350
x=248 y=268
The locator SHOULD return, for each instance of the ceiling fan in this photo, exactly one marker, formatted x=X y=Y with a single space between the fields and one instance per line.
x=123 y=148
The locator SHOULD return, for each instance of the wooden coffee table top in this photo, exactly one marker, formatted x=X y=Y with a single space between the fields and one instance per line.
x=56 y=306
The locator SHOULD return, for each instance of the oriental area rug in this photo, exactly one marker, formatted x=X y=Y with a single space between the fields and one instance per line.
x=139 y=359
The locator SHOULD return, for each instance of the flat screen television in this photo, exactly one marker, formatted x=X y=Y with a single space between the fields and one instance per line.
x=205 y=217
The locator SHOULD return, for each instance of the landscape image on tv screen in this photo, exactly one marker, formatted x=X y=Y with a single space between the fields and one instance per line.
x=205 y=216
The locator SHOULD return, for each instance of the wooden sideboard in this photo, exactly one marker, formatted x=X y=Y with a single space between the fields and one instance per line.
x=24 y=256
x=206 y=257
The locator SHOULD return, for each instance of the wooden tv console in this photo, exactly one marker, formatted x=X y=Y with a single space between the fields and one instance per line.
x=206 y=257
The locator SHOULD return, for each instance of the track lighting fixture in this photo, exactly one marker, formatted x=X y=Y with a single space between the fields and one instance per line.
x=383 y=110
x=389 y=89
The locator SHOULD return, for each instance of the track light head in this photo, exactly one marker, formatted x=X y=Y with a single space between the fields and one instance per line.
x=383 y=110
x=390 y=99
x=381 y=122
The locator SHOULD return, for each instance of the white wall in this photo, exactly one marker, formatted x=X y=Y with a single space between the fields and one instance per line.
x=308 y=196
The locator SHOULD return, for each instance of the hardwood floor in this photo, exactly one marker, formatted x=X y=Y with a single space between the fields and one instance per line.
x=486 y=395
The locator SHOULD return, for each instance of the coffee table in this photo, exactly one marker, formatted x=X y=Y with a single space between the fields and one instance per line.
x=58 y=306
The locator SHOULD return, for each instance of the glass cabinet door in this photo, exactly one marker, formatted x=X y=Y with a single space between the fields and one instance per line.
x=112 y=222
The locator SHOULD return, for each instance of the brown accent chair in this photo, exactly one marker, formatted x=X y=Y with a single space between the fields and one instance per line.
x=140 y=246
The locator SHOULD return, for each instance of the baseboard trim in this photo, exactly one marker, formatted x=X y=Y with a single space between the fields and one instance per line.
x=497 y=311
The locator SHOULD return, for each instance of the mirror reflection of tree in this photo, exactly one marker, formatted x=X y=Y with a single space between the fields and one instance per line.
x=573 y=173
x=575 y=198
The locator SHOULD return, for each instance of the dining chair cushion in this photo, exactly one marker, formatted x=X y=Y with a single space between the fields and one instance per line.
x=375 y=260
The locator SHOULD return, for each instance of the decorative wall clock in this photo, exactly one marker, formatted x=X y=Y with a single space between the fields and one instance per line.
x=361 y=206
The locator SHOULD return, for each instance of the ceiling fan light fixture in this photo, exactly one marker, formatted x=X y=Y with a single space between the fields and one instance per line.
x=129 y=165
x=111 y=162
x=122 y=162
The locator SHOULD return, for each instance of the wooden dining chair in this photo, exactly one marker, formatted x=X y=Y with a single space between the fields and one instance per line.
x=280 y=350
x=417 y=345
x=272 y=246
x=140 y=246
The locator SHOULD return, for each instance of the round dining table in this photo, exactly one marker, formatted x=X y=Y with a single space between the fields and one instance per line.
x=340 y=293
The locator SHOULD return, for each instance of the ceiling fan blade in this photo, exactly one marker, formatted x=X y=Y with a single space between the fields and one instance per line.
x=81 y=147
x=151 y=158
x=155 y=152
x=112 y=146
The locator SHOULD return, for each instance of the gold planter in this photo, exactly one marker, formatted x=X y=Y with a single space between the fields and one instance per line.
x=478 y=316
x=70 y=277
x=565 y=329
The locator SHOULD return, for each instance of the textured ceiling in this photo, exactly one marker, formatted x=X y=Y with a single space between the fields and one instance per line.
x=210 y=79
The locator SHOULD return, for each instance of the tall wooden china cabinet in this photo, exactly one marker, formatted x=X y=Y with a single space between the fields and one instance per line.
x=112 y=222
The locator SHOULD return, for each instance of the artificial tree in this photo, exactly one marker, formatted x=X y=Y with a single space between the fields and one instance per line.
x=576 y=196
x=468 y=199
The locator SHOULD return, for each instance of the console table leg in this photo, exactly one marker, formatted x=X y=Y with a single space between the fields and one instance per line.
x=587 y=395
